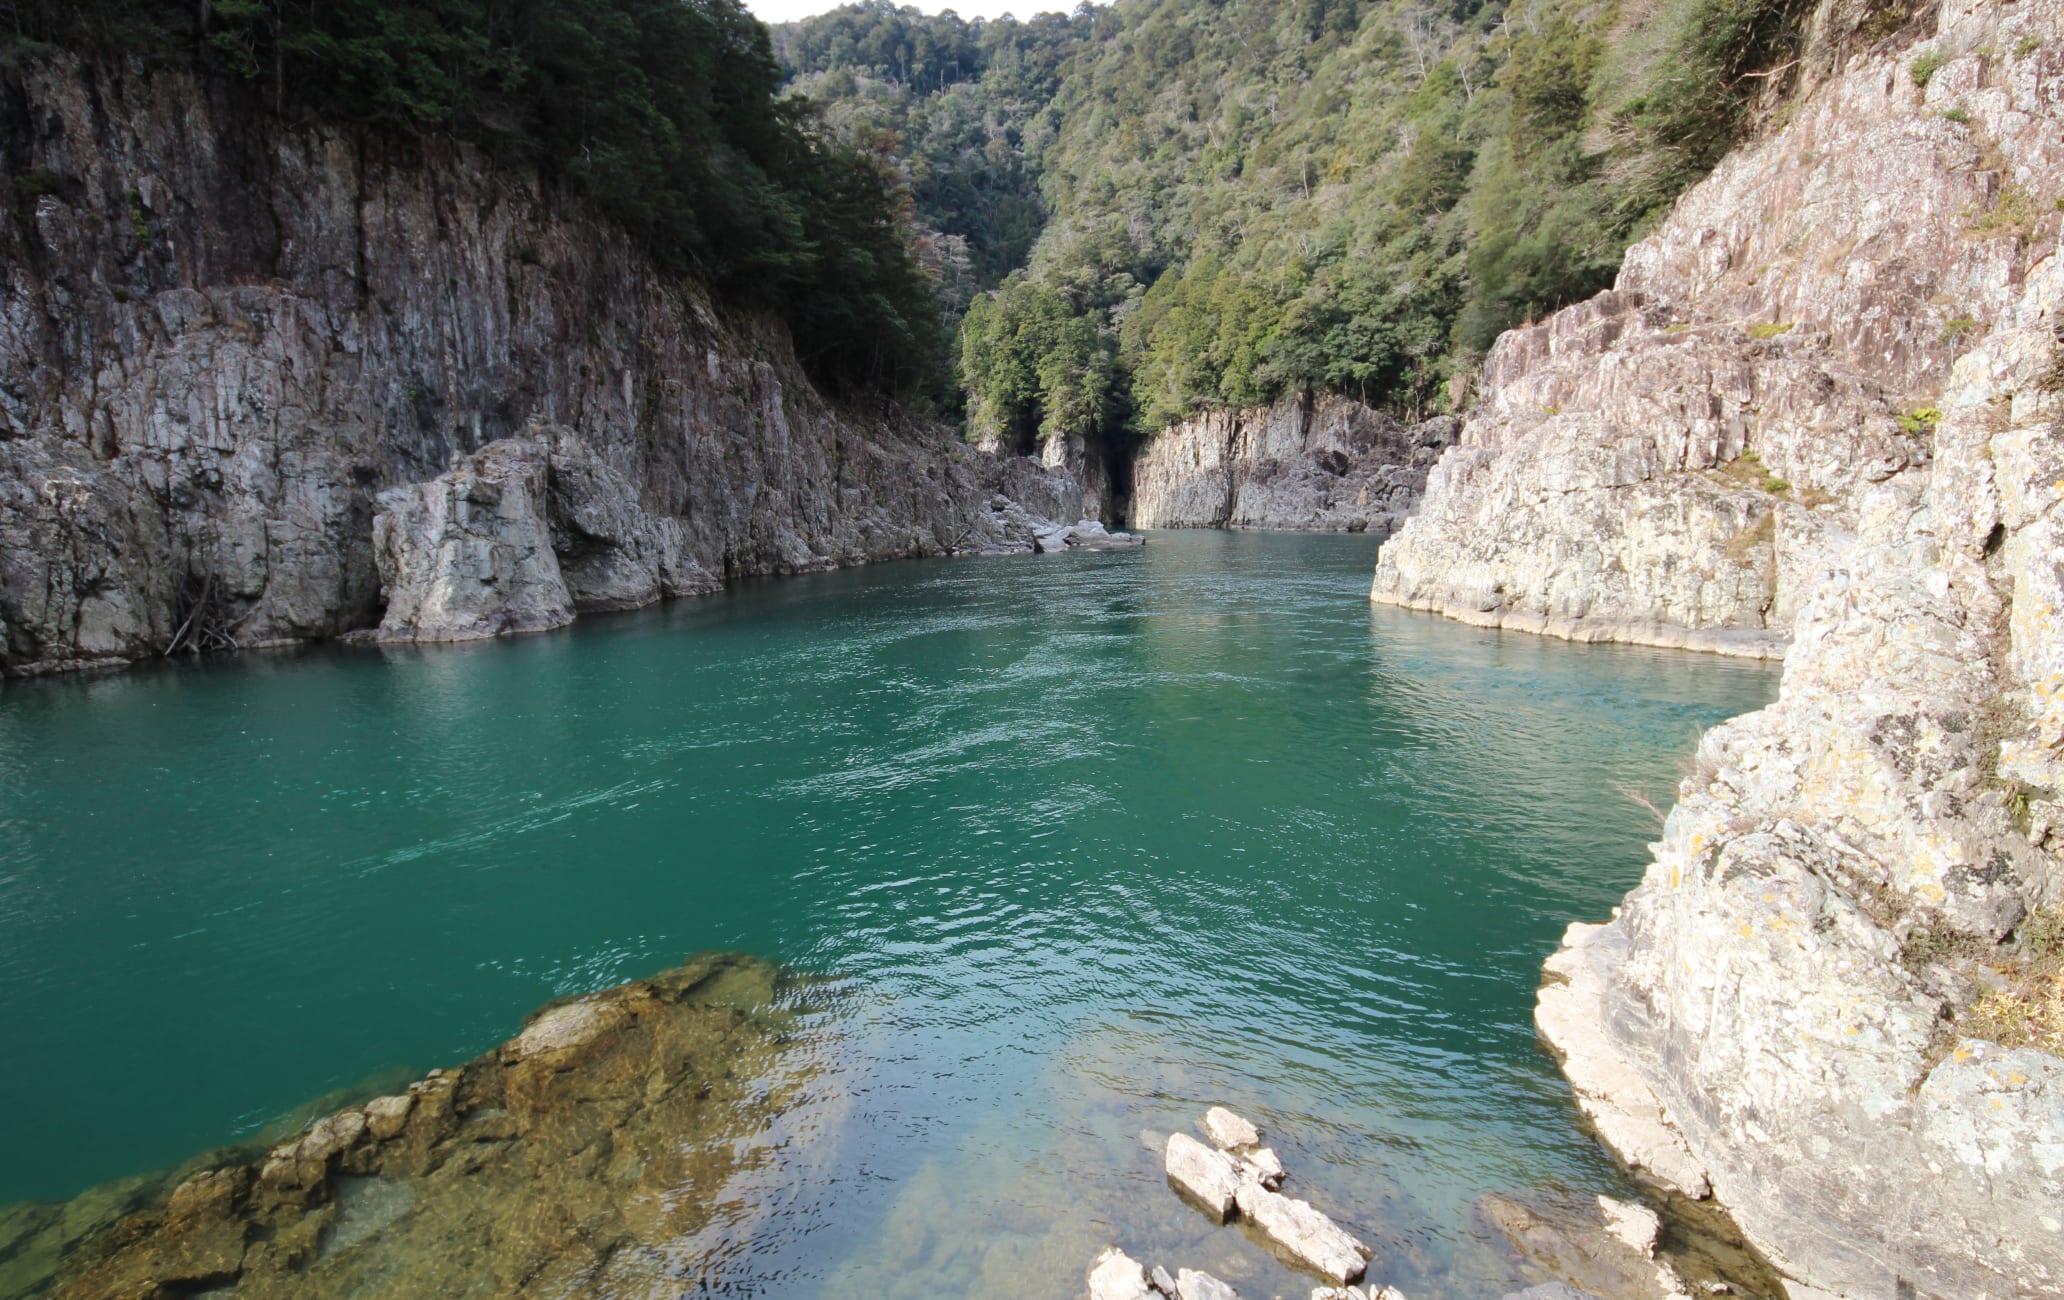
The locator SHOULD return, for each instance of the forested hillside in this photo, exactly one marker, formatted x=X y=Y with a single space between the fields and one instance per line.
x=1249 y=198
x=663 y=112
x=962 y=110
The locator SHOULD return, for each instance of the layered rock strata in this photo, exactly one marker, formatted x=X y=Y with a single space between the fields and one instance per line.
x=586 y=1156
x=1676 y=461
x=263 y=384
x=1835 y=997
x=1325 y=464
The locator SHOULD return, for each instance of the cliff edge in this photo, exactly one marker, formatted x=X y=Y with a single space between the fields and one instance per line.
x=263 y=383
x=1836 y=1000
x=1677 y=461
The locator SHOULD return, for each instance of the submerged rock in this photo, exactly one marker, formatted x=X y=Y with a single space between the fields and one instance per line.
x=588 y=1150
x=1193 y=1285
x=1586 y=1244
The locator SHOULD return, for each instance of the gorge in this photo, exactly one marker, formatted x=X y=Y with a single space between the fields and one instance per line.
x=1705 y=326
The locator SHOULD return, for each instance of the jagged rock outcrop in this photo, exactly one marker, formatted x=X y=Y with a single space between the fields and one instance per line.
x=224 y=341
x=1835 y=994
x=1676 y=461
x=1327 y=464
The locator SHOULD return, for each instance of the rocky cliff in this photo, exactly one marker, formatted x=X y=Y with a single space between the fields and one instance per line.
x=1325 y=464
x=1836 y=1001
x=262 y=384
x=1676 y=461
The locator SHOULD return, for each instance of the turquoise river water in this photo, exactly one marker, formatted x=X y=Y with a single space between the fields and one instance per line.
x=1090 y=842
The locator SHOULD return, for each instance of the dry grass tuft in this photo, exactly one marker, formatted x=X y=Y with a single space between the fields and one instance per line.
x=2028 y=1010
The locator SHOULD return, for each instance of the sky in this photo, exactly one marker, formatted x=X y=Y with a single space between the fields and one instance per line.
x=783 y=11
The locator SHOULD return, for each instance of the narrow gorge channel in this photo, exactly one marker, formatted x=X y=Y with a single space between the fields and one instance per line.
x=1078 y=844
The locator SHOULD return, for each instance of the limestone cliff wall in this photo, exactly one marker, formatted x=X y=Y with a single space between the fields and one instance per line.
x=225 y=343
x=1325 y=464
x=1677 y=460
x=1826 y=1002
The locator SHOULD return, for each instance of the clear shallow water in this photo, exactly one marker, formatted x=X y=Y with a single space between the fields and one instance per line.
x=1093 y=841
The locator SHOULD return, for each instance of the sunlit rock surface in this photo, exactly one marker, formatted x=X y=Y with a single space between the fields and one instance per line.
x=1680 y=460
x=1797 y=985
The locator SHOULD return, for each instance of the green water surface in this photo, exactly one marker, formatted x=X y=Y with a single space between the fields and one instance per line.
x=1092 y=841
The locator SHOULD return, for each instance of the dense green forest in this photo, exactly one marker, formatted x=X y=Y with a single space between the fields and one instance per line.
x=1130 y=212
x=962 y=110
x=1248 y=198
x=663 y=112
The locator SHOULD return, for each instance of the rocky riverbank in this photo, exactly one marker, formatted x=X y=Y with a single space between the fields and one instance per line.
x=263 y=383
x=587 y=1155
x=1680 y=460
x=1836 y=1001
x=1324 y=464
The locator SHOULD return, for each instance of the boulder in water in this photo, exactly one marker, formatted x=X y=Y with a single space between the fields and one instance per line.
x=1304 y=1233
x=1207 y=1178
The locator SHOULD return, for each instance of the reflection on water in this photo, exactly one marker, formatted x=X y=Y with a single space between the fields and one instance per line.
x=1093 y=842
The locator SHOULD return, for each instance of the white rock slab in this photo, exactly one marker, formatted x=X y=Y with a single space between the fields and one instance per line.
x=1162 y=1282
x=1118 y=1276
x=1229 y=1132
x=1192 y=1285
x=1304 y=1233
x=1210 y=1179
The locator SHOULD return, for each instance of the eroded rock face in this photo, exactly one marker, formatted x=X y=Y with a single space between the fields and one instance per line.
x=582 y=1157
x=1795 y=985
x=1325 y=465
x=227 y=344
x=1679 y=460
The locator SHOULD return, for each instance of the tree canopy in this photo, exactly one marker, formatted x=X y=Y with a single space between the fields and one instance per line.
x=1242 y=199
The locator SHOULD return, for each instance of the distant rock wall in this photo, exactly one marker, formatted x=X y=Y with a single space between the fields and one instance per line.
x=227 y=347
x=1824 y=1005
x=1327 y=464
x=1677 y=460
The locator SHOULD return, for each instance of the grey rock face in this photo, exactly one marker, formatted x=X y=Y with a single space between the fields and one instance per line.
x=1328 y=465
x=223 y=341
x=1795 y=305
x=469 y=554
x=1793 y=984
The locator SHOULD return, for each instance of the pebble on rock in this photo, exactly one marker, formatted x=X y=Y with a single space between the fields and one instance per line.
x=1208 y=1178
x=1118 y=1276
x=1304 y=1233
x=1262 y=1165
x=1229 y=1132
